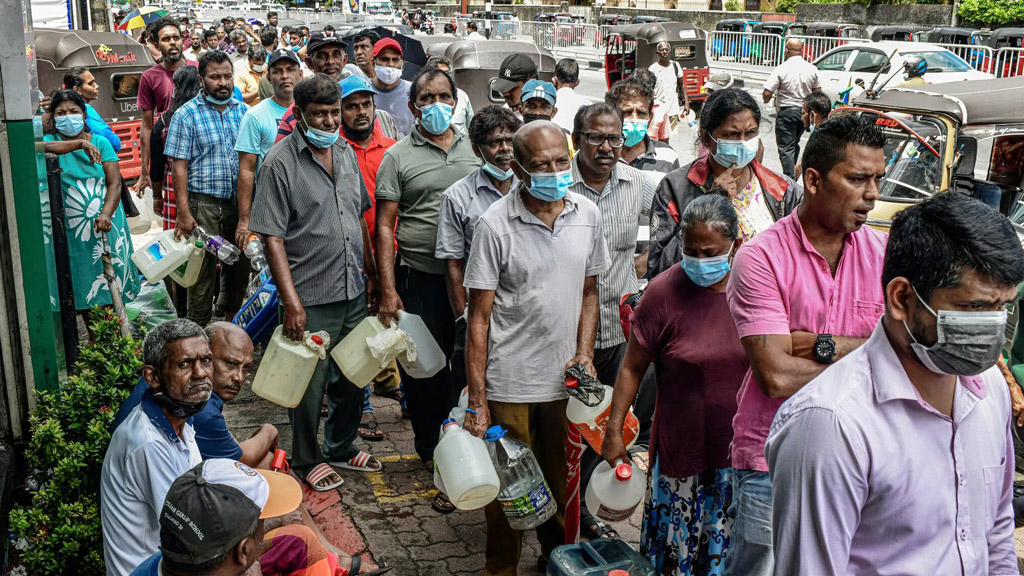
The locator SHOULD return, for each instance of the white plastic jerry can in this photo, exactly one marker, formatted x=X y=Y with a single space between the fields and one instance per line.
x=429 y=357
x=161 y=256
x=286 y=369
x=614 y=493
x=466 y=472
x=353 y=355
x=188 y=273
x=592 y=421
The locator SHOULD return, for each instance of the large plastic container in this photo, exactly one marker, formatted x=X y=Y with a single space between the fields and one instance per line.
x=162 y=256
x=592 y=421
x=602 y=557
x=429 y=357
x=146 y=219
x=285 y=370
x=525 y=497
x=614 y=493
x=259 y=315
x=188 y=273
x=353 y=355
x=466 y=470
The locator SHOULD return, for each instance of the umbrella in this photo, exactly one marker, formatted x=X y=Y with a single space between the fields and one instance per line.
x=412 y=49
x=141 y=17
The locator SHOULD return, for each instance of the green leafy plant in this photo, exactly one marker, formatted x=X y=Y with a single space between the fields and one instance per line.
x=733 y=5
x=992 y=12
x=58 y=531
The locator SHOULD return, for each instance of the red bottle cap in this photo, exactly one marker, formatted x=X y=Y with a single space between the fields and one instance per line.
x=618 y=573
x=623 y=472
x=572 y=382
x=317 y=340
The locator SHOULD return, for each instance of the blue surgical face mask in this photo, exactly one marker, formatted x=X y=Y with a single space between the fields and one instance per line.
x=550 y=186
x=706 y=271
x=209 y=98
x=320 y=138
x=736 y=153
x=811 y=129
x=634 y=131
x=70 y=125
x=436 y=118
x=497 y=173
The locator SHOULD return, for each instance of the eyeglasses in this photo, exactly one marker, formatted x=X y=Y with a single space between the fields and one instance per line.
x=595 y=139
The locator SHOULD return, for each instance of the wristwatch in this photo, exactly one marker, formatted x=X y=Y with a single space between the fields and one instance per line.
x=824 y=349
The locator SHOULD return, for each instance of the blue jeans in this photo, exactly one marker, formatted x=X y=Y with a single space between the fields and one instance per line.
x=750 y=545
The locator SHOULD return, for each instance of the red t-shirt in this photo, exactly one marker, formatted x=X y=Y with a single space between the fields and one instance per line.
x=156 y=88
x=369 y=162
x=700 y=364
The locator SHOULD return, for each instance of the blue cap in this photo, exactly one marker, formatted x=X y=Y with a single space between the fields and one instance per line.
x=354 y=84
x=539 y=89
x=494 y=433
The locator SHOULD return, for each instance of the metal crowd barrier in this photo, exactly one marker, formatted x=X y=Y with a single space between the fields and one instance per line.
x=561 y=38
x=1009 y=62
x=753 y=54
x=979 y=57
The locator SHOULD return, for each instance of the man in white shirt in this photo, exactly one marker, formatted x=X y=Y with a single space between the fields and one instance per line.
x=669 y=77
x=155 y=444
x=790 y=83
x=567 y=78
x=474 y=31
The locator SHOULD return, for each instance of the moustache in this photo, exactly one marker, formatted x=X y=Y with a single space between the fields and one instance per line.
x=502 y=158
x=605 y=157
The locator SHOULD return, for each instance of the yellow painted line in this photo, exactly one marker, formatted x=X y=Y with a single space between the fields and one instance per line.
x=384 y=494
x=417 y=495
x=392 y=458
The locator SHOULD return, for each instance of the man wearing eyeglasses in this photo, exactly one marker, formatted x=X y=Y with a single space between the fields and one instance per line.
x=622 y=193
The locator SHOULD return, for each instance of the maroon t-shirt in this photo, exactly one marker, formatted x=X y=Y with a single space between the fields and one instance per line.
x=700 y=365
x=156 y=87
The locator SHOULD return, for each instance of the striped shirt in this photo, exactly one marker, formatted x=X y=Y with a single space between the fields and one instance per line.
x=206 y=137
x=626 y=196
x=322 y=230
x=658 y=157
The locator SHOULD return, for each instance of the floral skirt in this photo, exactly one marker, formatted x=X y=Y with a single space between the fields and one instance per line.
x=685 y=530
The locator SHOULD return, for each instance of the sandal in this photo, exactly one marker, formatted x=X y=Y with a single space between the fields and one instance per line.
x=642 y=459
x=442 y=504
x=319 y=473
x=599 y=530
x=368 y=431
x=362 y=462
x=353 y=570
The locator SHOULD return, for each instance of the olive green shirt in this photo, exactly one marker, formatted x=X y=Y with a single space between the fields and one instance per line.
x=1016 y=361
x=415 y=173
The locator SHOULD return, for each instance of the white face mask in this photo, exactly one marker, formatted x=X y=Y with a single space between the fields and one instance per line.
x=259 y=68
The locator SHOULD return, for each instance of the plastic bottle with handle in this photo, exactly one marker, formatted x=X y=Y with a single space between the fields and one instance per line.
x=614 y=493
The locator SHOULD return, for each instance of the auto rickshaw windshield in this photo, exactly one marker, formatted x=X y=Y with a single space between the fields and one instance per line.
x=913 y=169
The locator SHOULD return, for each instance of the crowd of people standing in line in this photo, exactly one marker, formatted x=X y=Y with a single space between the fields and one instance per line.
x=782 y=358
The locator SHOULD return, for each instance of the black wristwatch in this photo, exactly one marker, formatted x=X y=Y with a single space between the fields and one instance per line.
x=824 y=349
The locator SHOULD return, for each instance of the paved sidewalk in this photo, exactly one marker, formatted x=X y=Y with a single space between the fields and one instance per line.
x=387 y=514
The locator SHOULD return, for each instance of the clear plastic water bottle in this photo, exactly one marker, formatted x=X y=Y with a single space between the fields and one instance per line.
x=225 y=251
x=525 y=497
x=254 y=251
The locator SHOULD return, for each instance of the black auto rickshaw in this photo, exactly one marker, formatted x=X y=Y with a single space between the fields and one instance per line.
x=614 y=20
x=476 y=65
x=896 y=33
x=831 y=34
x=545 y=17
x=117 y=61
x=1006 y=44
x=644 y=19
x=950 y=35
x=636 y=46
x=779 y=28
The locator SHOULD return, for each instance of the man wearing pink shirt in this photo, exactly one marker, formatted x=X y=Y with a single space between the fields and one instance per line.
x=899 y=459
x=803 y=293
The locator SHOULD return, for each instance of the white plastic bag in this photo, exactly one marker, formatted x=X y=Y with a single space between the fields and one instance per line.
x=385 y=346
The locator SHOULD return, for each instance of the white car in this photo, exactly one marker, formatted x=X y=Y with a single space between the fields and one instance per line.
x=841 y=67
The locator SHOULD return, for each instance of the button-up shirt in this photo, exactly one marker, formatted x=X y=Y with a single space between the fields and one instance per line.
x=868 y=478
x=792 y=81
x=143 y=459
x=206 y=138
x=537 y=275
x=780 y=284
x=625 y=197
x=415 y=173
x=462 y=205
x=319 y=217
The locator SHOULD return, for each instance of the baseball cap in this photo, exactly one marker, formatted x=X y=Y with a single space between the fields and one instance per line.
x=212 y=507
x=514 y=68
x=353 y=84
x=283 y=54
x=718 y=81
x=386 y=43
x=539 y=89
x=318 y=40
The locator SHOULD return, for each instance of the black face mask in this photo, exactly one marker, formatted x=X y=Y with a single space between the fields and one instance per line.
x=176 y=408
x=527 y=118
x=357 y=135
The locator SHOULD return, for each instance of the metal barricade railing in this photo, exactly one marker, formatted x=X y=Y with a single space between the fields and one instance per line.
x=745 y=51
x=815 y=46
x=979 y=57
x=1008 y=62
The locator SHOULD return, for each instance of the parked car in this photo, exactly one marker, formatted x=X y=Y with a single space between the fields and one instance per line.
x=841 y=67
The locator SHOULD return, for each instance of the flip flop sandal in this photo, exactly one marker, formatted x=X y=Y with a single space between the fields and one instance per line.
x=442 y=504
x=641 y=459
x=320 y=472
x=360 y=463
x=368 y=431
x=357 y=562
x=599 y=530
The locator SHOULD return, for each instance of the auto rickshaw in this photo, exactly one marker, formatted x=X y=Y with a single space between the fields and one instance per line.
x=896 y=33
x=780 y=28
x=636 y=46
x=614 y=20
x=1007 y=62
x=833 y=34
x=770 y=53
x=476 y=65
x=545 y=17
x=732 y=47
x=649 y=19
x=117 y=61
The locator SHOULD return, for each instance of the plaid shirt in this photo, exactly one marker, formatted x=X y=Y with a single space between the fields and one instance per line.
x=206 y=138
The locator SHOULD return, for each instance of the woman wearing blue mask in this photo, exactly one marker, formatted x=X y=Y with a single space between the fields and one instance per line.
x=91 y=183
x=684 y=328
x=729 y=128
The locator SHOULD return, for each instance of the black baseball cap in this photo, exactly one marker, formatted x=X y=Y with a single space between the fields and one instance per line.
x=318 y=40
x=214 y=506
x=514 y=69
x=283 y=54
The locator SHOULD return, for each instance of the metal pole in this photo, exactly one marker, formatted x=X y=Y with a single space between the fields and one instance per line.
x=62 y=262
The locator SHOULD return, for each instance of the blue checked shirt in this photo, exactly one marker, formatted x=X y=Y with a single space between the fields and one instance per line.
x=206 y=138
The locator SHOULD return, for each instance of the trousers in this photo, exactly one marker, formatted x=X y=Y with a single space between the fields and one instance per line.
x=216 y=216
x=789 y=126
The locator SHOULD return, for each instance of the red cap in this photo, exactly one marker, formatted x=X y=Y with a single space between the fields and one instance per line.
x=623 y=472
x=386 y=43
x=618 y=573
x=318 y=340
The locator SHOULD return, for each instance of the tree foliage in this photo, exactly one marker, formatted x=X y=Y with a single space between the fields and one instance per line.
x=992 y=12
